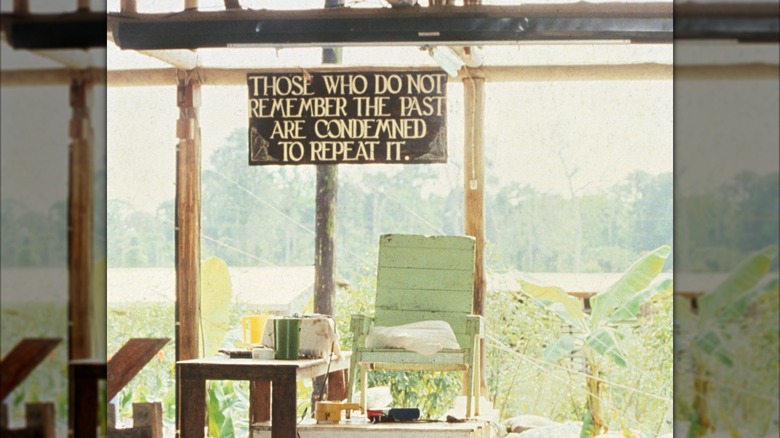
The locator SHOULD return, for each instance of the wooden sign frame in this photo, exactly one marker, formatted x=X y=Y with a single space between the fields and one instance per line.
x=386 y=117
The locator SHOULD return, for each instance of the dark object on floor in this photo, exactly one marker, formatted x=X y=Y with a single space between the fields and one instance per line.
x=451 y=419
x=393 y=415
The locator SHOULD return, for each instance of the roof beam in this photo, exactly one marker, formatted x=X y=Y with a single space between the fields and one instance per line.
x=51 y=76
x=217 y=76
x=82 y=29
x=463 y=25
x=77 y=59
x=744 y=22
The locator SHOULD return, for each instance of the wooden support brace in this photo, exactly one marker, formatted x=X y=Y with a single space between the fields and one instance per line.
x=129 y=360
x=22 y=360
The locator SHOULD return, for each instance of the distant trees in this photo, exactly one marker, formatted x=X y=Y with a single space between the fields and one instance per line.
x=264 y=215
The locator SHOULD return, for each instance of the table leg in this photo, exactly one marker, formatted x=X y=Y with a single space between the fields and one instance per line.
x=85 y=406
x=259 y=401
x=337 y=386
x=284 y=405
x=193 y=406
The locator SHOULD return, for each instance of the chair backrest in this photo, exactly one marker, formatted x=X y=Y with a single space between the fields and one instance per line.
x=421 y=278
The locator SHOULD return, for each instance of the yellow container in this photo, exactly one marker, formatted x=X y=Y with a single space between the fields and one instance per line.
x=252 y=327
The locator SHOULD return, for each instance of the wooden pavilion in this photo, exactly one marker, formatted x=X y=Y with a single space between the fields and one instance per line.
x=174 y=42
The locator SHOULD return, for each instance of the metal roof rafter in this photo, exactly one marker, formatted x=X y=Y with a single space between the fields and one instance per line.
x=461 y=25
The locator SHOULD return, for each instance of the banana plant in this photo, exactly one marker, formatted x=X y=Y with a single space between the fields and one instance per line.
x=597 y=334
x=706 y=334
x=216 y=293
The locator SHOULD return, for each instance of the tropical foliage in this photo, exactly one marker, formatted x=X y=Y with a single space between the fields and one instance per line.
x=719 y=349
x=597 y=335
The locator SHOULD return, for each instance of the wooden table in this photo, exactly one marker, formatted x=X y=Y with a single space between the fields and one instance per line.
x=283 y=375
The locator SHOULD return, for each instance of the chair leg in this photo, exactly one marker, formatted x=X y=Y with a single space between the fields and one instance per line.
x=351 y=384
x=364 y=386
x=469 y=391
x=477 y=378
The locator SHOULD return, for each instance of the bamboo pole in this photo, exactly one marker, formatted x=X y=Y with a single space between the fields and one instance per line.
x=188 y=209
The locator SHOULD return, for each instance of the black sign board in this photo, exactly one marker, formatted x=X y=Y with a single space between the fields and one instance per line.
x=346 y=117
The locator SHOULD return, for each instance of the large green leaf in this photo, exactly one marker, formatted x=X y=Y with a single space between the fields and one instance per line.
x=556 y=300
x=743 y=279
x=215 y=298
x=561 y=348
x=636 y=278
x=603 y=341
x=630 y=309
x=710 y=342
x=740 y=306
x=216 y=415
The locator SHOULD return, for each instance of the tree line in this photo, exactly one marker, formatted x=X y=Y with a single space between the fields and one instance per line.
x=265 y=216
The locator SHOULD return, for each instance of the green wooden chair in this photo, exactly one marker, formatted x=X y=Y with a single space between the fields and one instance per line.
x=422 y=278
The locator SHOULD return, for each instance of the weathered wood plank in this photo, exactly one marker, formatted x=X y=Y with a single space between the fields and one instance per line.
x=129 y=360
x=422 y=258
x=416 y=241
x=424 y=300
x=427 y=279
x=22 y=360
x=388 y=317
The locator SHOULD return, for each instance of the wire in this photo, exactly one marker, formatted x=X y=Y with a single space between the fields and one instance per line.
x=498 y=344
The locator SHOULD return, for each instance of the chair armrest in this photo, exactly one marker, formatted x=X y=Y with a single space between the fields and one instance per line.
x=360 y=326
x=475 y=325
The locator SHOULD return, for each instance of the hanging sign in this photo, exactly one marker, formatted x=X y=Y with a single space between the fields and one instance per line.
x=345 y=117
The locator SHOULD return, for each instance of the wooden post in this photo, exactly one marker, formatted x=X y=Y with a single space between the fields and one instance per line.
x=324 y=255
x=148 y=416
x=474 y=189
x=21 y=7
x=80 y=208
x=325 y=226
x=41 y=418
x=187 y=220
x=83 y=5
x=128 y=7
